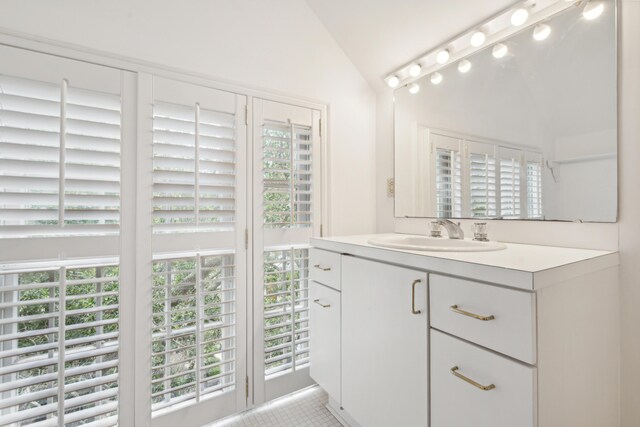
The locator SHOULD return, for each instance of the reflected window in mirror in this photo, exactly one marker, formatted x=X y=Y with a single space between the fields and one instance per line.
x=530 y=135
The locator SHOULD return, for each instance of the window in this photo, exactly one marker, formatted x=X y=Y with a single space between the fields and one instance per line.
x=286 y=310
x=194 y=337
x=287 y=175
x=59 y=159
x=59 y=345
x=474 y=179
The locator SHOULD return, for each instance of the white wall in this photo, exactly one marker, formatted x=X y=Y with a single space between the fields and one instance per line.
x=629 y=174
x=275 y=45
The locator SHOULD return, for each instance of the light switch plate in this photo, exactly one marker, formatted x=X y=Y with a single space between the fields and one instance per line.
x=391 y=187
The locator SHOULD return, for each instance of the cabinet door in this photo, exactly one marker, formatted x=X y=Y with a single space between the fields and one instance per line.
x=325 y=338
x=384 y=344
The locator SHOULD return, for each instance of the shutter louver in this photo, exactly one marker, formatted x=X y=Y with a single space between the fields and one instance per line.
x=42 y=124
x=30 y=155
x=286 y=310
x=59 y=346
x=92 y=159
x=534 y=189
x=483 y=190
x=448 y=175
x=287 y=175
x=510 y=187
x=194 y=327
x=194 y=169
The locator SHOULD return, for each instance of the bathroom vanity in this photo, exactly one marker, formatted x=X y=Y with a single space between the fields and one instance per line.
x=525 y=336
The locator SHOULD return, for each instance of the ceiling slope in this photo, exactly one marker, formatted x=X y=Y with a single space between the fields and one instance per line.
x=381 y=35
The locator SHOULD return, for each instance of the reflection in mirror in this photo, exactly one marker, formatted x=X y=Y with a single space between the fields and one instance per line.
x=531 y=134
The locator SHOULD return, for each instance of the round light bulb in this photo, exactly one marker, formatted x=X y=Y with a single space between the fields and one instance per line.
x=414 y=88
x=541 y=32
x=414 y=70
x=593 y=9
x=436 y=78
x=500 y=50
x=519 y=17
x=393 y=81
x=464 y=66
x=442 y=57
x=478 y=38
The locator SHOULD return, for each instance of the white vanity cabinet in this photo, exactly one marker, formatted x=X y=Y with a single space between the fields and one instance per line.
x=524 y=337
x=384 y=344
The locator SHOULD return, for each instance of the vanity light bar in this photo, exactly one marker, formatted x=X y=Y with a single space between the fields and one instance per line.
x=497 y=28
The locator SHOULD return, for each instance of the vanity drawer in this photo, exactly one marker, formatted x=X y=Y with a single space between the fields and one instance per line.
x=459 y=370
x=494 y=317
x=324 y=267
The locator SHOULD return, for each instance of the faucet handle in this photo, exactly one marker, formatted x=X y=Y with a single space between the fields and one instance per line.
x=435 y=229
x=480 y=231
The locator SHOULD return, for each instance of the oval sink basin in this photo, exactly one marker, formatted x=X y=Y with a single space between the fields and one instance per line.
x=424 y=243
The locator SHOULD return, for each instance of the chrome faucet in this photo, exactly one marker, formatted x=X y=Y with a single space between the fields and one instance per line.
x=454 y=231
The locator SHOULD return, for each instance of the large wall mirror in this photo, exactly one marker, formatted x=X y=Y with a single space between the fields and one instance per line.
x=528 y=135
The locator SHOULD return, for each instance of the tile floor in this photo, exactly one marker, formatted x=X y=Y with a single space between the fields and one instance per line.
x=304 y=408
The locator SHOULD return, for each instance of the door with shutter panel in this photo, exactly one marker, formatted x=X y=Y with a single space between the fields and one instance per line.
x=198 y=313
x=286 y=188
x=183 y=189
x=61 y=139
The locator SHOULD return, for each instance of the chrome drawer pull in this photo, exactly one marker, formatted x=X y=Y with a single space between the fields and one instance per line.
x=319 y=267
x=455 y=372
x=317 y=301
x=413 y=297
x=455 y=309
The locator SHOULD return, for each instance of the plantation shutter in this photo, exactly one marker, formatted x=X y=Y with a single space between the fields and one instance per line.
x=482 y=180
x=59 y=159
x=286 y=310
x=287 y=174
x=59 y=345
x=287 y=214
x=194 y=335
x=194 y=164
x=510 y=182
x=534 y=185
x=447 y=175
x=197 y=325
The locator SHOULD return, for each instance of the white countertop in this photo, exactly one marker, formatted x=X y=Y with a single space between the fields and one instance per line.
x=523 y=266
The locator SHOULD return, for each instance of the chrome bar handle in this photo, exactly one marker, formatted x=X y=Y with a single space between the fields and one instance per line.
x=319 y=267
x=456 y=309
x=455 y=372
x=317 y=301
x=413 y=297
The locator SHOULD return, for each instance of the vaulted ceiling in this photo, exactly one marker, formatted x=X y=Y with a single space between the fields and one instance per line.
x=381 y=35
